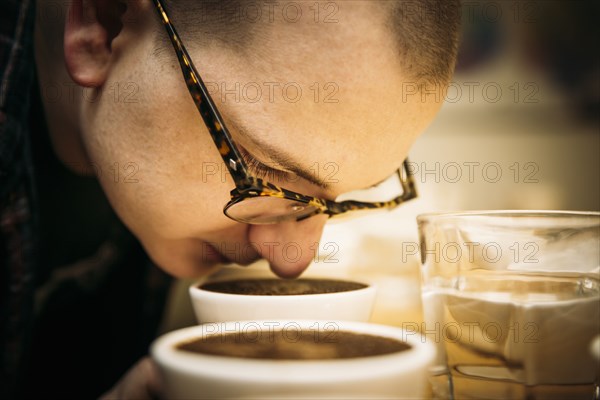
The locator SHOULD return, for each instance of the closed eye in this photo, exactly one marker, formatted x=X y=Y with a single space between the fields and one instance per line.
x=261 y=170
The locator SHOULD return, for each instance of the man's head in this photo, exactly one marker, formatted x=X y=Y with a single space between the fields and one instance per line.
x=341 y=89
x=424 y=32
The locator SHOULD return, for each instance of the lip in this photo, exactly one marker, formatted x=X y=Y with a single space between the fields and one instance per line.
x=214 y=255
x=210 y=253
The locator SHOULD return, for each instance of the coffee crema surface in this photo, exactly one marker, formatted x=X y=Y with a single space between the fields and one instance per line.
x=294 y=345
x=281 y=287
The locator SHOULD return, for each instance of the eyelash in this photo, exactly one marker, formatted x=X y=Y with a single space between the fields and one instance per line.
x=261 y=170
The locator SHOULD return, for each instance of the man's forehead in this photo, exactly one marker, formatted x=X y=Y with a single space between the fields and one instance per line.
x=331 y=99
x=359 y=143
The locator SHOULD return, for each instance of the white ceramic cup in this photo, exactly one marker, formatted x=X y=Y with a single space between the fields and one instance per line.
x=353 y=305
x=188 y=375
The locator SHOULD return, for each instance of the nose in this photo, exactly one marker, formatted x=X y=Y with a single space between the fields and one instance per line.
x=288 y=246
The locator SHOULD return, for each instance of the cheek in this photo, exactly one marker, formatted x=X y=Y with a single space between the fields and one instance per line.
x=160 y=171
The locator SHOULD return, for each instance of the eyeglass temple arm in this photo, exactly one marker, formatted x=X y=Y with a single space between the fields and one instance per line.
x=409 y=189
x=204 y=103
x=409 y=192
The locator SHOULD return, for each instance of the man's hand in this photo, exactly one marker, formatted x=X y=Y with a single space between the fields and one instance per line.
x=141 y=382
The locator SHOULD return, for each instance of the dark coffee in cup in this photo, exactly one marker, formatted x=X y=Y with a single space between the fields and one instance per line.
x=285 y=358
x=282 y=287
x=293 y=344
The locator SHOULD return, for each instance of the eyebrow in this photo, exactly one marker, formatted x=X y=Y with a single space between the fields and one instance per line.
x=278 y=155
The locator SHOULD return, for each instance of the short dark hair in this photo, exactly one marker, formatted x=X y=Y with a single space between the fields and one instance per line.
x=427 y=31
x=428 y=36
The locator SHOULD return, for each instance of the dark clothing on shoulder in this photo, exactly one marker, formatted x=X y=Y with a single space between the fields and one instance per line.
x=80 y=301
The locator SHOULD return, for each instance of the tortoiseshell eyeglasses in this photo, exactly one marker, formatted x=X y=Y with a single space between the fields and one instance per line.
x=254 y=200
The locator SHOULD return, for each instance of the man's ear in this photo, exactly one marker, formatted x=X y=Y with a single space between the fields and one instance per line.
x=90 y=27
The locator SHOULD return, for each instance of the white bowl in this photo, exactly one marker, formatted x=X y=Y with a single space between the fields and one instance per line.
x=353 y=305
x=189 y=375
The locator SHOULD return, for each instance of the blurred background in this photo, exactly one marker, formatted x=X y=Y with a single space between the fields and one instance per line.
x=520 y=129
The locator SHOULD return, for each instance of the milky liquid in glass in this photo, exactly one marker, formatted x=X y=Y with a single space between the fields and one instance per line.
x=512 y=301
x=533 y=344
